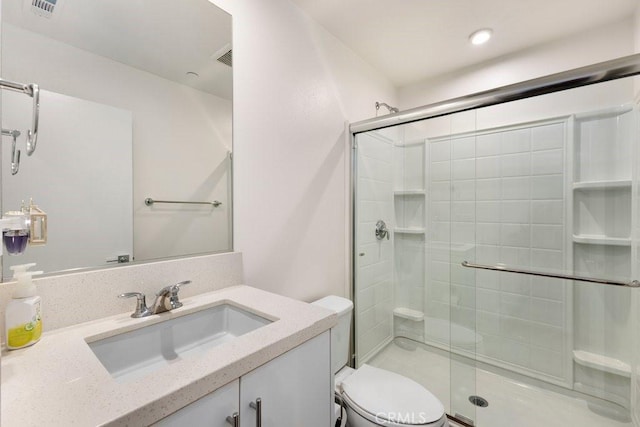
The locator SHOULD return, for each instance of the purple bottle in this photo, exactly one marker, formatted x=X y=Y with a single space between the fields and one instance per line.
x=15 y=241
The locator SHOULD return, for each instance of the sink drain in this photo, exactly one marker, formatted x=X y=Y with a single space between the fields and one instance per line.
x=478 y=401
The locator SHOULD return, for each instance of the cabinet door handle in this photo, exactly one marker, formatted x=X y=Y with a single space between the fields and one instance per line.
x=234 y=419
x=257 y=405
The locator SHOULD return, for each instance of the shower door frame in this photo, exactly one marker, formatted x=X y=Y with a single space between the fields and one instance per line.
x=627 y=66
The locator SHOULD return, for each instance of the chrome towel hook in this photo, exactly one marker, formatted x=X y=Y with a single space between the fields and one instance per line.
x=15 y=154
x=32 y=90
x=32 y=134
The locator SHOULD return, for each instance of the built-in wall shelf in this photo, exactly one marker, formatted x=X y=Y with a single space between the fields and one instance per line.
x=597 y=185
x=409 y=314
x=410 y=230
x=417 y=192
x=602 y=363
x=588 y=239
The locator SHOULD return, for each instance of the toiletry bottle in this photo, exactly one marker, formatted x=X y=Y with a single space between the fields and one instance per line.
x=23 y=322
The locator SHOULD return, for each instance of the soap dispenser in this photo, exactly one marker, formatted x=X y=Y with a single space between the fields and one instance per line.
x=23 y=322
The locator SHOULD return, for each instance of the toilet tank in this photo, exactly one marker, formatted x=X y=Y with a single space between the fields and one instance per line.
x=339 y=333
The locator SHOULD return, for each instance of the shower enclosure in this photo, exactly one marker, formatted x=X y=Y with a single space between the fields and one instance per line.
x=495 y=204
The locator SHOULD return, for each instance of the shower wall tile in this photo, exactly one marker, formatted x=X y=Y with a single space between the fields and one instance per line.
x=547 y=312
x=547 y=137
x=549 y=361
x=440 y=191
x=488 y=167
x=515 y=141
x=512 y=211
x=372 y=211
x=463 y=211
x=488 y=211
x=515 y=305
x=547 y=162
x=547 y=187
x=464 y=190
x=488 y=189
x=464 y=148
x=547 y=212
x=515 y=352
x=547 y=336
x=440 y=171
x=488 y=233
x=488 y=254
x=515 y=164
x=488 y=145
x=374 y=258
x=488 y=279
x=440 y=151
x=516 y=188
x=547 y=288
x=518 y=212
x=440 y=231
x=515 y=235
x=487 y=301
x=515 y=329
x=464 y=169
x=462 y=232
x=547 y=236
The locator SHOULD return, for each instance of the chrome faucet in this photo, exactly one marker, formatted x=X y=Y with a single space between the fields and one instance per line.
x=166 y=300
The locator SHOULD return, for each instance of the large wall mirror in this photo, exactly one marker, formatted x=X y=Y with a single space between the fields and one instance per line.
x=136 y=104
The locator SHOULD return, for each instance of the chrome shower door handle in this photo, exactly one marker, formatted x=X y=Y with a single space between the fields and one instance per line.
x=257 y=405
x=381 y=230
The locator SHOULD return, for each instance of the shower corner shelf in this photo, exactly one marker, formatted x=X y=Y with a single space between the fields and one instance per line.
x=596 y=185
x=409 y=314
x=416 y=192
x=590 y=239
x=602 y=363
x=410 y=230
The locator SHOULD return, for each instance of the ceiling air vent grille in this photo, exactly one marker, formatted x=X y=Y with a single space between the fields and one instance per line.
x=43 y=7
x=226 y=58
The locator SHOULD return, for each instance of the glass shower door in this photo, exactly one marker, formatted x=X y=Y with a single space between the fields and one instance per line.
x=407 y=309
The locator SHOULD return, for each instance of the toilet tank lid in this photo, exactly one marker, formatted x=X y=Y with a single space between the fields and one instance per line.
x=335 y=303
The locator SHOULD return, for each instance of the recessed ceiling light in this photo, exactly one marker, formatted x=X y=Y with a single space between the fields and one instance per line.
x=481 y=36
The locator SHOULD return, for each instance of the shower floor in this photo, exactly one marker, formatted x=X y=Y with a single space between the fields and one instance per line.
x=511 y=402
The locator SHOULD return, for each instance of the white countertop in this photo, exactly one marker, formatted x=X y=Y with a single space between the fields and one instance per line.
x=60 y=382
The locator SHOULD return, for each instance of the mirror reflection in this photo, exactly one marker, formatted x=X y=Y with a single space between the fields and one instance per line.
x=135 y=105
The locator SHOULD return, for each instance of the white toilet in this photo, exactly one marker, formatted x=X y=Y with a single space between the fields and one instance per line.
x=373 y=396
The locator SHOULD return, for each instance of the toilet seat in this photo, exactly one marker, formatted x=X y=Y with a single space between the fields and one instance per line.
x=386 y=398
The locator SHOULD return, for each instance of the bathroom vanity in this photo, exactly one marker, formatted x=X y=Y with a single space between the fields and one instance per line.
x=272 y=357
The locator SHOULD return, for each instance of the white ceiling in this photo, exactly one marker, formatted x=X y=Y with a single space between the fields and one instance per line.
x=166 y=38
x=412 y=40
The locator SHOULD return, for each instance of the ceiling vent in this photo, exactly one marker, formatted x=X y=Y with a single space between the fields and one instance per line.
x=226 y=58
x=43 y=7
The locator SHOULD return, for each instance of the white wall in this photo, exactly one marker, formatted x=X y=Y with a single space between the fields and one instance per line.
x=174 y=129
x=597 y=45
x=294 y=87
x=93 y=151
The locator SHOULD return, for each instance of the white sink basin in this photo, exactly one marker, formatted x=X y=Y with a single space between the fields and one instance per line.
x=134 y=354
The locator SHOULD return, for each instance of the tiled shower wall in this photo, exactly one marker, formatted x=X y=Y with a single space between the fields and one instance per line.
x=503 y=192
x=374 y=297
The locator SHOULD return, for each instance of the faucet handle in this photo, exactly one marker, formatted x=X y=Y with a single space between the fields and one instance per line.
x=171 y=291
x=141 y=304
x=176 y=287
x=174 y=300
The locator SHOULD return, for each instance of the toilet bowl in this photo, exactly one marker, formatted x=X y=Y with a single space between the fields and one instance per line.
x=374 y=396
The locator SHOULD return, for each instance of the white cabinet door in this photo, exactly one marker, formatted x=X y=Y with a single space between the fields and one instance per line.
x=211 y=410
x=295 y=388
